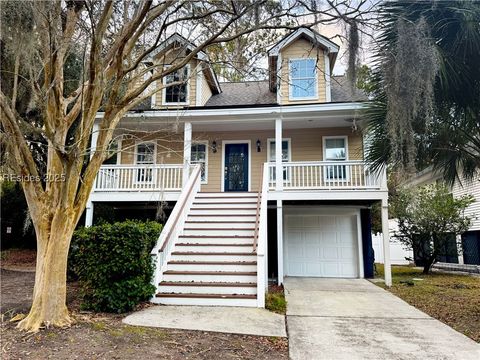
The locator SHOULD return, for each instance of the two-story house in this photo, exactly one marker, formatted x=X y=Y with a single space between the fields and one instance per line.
x=267 y=177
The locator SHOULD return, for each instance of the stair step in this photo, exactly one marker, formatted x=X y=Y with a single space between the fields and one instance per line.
x=221 y=211
x=225 y=265
x=209 y=296
x=186 y=287
x=224 y=206
x=192 y=240
x=202 y=284
x=217 y=301
x=219 y=273
x=188 y=253
x=226 y=200
x=209 y=247
x=210 y=276
x=219 y=225
x=186 y=262
x=216 y=231
x=208 y=244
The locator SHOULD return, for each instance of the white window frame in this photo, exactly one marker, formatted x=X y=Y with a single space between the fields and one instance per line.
x=164 y=91
x=272 y=140
x=137 y=143
x=347 y=172
x=286 y=179
x=290 y=82
x=202 y=142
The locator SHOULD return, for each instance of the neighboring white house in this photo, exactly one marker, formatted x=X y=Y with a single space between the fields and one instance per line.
x=265 y=177
x=470 y=240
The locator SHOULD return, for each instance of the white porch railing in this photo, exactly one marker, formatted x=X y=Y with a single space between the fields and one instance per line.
x=139 y=178
x=327 y=175
x=174 y=225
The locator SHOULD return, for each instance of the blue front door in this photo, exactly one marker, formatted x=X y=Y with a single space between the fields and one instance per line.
x=236 y=167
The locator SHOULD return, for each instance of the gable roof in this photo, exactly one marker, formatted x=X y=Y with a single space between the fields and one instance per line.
x=177 y=38
x=313 y=36
x=206 y=68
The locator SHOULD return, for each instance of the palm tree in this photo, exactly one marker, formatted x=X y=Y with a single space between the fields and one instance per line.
x=425 y=107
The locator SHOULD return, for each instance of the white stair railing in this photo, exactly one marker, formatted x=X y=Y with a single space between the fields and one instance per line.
x=174 y=225
x=260 y=241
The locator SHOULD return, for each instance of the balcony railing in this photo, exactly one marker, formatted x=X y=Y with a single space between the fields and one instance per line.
x=327 y=175
x=139 y=178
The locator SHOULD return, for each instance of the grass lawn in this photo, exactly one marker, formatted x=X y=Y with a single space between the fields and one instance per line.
x=450 y=298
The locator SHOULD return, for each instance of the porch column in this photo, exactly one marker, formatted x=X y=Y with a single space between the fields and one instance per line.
x=386 y=243
x=93 y=145
x=278 y=155
x=280 y=241
x=187 y=150
x=89 y=214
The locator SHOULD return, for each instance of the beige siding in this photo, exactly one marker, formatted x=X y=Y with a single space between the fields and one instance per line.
x=301 y=48
x=206 y=91
x=306 y=145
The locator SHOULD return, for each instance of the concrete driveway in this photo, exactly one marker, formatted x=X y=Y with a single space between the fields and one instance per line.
x=354 y=319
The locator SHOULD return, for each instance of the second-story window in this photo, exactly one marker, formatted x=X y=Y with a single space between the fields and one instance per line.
x=177 y=94
x=303 y=79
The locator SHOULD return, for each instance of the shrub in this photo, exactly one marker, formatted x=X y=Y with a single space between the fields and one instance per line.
x=113 y=264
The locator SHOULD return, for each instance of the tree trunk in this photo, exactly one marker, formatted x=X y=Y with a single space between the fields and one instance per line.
x=428 y=264
x=49 y=294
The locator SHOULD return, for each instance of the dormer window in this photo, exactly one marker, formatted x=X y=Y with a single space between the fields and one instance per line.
x=303 y=79
x=176 y=94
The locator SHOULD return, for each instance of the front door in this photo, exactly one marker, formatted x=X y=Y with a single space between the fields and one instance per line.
x=236 y=167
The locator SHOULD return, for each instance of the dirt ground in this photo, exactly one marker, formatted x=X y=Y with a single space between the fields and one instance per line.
x=103 y=336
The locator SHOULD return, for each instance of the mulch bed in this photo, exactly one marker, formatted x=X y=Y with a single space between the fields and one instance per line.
x=104 y=336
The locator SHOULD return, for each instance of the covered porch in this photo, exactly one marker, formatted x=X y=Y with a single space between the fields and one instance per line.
x=317 y=151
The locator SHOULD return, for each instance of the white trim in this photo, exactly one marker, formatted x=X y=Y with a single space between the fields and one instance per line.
x=278 y=79
x=345 y=137
x=329 y=45
x=280 y=232
x=270 y=140
x=347 y=173
x=361 y=270
x=269 y=112
x=198 y=87
x=225 y=142
x=140 y=142
x=202 y=142
x=187 y=83
x=328 y=87
x=119 y=151
x=177 y=38
x=290 y=82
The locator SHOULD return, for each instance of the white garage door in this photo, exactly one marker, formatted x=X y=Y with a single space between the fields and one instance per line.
x=321 y=245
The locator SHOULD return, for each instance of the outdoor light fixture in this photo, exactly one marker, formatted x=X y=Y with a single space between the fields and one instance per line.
x=214 y=146
x=259 y=144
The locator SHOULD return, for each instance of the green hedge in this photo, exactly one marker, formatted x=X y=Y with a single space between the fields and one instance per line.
x=113 y=264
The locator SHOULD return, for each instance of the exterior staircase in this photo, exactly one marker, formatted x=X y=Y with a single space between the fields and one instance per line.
x=213 y=261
